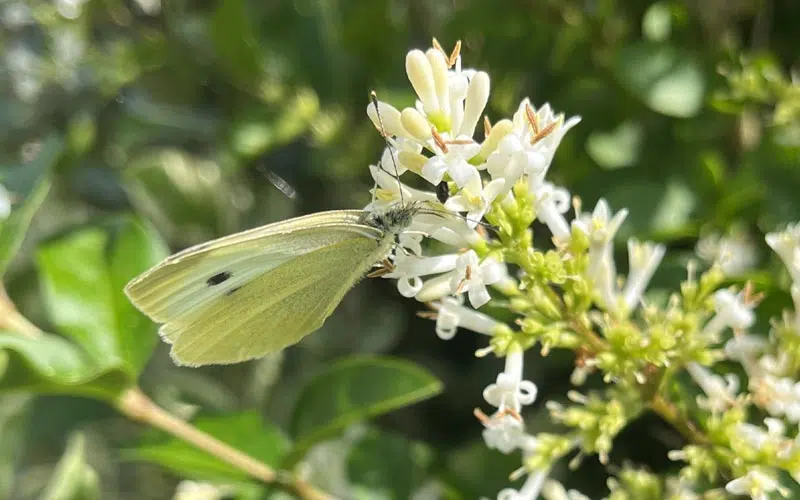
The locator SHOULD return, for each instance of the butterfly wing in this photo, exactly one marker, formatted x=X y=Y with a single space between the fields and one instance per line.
x=197 y=275
x=274 y=310
x=222 y=271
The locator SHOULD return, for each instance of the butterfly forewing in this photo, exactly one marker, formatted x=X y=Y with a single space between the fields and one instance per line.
x=198 y=275
x=276 y=309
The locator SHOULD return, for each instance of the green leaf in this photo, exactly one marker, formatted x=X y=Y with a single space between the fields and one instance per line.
x=666 y=79
x=28 y=185
x=244 y=431
x=83 y=275
x=13 y=419
x=618 y=148
x=355 y=389
x=236 y=43
x=51 y=364
x=383 y=465
x=73 y=479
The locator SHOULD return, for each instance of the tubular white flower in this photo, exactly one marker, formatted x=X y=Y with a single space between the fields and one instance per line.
x=745 y=348
x=530 y=489
x=454 y=162
x=510 y=391
x=408 y=268
x=756 y=484
x=643 y=259
x=472 y=276
x=553 y=490
x=720 y=393
x=452 y=314
x=780 y=396
x=600 y=227
x=787 y=245
x=420 y=74
x=389 y=190
x=551 y=203
x=474 y=104
x=731 y=312
x=734 y=254
x=474 y=198
x=545 y=145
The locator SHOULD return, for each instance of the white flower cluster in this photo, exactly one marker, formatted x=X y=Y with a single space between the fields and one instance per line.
x=435 y=141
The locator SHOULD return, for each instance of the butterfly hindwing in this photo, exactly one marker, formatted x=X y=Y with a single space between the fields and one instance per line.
x=276 y=309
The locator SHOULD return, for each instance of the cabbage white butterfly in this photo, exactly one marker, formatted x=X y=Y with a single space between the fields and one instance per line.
x=252 y=293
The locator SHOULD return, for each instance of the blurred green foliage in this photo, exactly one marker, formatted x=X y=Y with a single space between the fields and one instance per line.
x=130 y=128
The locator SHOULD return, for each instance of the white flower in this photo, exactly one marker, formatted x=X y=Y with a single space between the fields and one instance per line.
x=787 y=245
x=553 y=490
x=643 y=260
x=512 y=159
x=780 y=396
x=720 y=393
x=731 y=311
x=734 y=254
x=600 y=228
x=452 y=101
x=510 y=391
x=756 y=484
x=472 y=276
x=5 y=203
x=454 y=160
x=529 y=491
x=541 y=131
x=408 y=268
x=389 y=189
x=504 y=433
x=551 y=203
x=474 y=198
x=451 y=315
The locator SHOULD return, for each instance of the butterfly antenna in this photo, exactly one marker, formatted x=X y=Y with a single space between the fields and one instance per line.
x=374 y=97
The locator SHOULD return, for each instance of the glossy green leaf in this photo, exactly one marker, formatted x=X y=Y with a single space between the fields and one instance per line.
x=28 y=184
x=83 y=275
x=664 y=78
x=73 y=479
x=244 y=431
x=354 y=389
x=383 y=465
x=51 y=364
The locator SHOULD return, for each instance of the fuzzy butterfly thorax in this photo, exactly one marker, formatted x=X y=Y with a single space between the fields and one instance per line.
x=393 y=220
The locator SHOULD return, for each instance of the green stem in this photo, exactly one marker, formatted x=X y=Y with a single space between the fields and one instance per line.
x=135 y=405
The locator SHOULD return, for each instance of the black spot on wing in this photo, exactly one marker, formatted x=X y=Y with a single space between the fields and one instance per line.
x=442 y=192
x=218 y=278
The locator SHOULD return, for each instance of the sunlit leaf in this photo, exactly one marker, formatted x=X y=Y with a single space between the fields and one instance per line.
x=664 y=78
x=355 y=389
x=83 y=275
x=246 y=432
x=617 y=148
x=28 y=185
x=51 y=364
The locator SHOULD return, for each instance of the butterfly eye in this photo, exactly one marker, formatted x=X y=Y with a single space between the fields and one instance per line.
x=218 y=278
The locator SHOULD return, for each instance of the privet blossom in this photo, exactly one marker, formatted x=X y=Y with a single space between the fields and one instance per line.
x=484 y=183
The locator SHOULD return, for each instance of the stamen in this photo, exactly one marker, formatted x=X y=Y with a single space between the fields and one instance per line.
x=544 y=132
x=453 y=57
x=387 y=267
x=487 y=126
x=428 y=315
x=482 y=417
x=460 y=142
x=532 y=118
x=439 y=140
